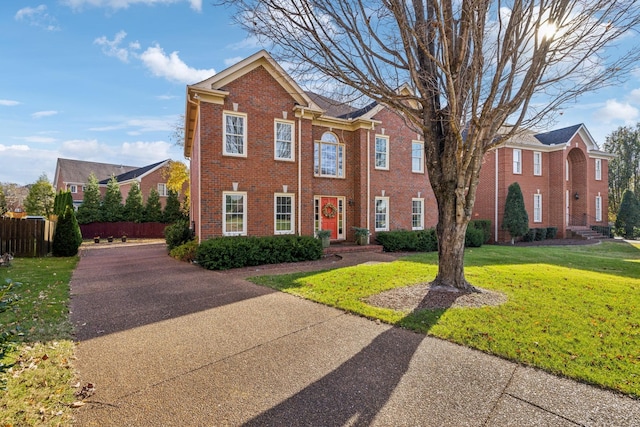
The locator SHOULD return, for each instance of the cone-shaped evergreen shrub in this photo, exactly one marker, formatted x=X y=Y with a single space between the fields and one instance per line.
x=516 y=220
x=68 y=237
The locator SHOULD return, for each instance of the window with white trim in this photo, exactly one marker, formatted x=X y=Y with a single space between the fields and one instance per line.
x=417 y=217
x=73 y=188
x=162 y=190
x=382 y=213
x=328 y=157
x=234 y=216
x=235 y=134
x=537 y=208
x=417 y=156
x=598 y=169
x=598 y=208
x=283 y=135
x=517 y=161
x=537 y=163
x=283 y=211
x=382 y=152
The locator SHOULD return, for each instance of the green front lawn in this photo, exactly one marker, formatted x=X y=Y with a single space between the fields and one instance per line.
x=573 y=311
x=39 y=387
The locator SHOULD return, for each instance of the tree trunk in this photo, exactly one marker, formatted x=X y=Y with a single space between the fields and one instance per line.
x=451 y=231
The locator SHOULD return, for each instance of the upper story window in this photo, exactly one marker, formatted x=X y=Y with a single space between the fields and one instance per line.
x=517 y=161
x=382 y=152
x=417 y=156
x=598 y=169
x=162 y=190
x=283 y=140
x=328 y=156
x=537 y=163
x=235 y=134
x=73 y=188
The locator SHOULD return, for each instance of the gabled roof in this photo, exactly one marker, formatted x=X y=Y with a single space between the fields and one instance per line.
x=78 y=171
x=138 y=173
x=559 y=136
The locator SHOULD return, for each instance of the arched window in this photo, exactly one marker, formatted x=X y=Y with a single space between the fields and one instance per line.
x=328 y=156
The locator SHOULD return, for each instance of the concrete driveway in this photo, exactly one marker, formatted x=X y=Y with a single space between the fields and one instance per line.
x=170 y=344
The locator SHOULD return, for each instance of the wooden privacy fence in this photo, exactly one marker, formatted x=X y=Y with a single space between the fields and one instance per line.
x=26 y=237
x=119 y=229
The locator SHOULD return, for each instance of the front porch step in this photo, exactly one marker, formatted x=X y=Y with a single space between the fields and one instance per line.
x=345 y=247
x=584 y=233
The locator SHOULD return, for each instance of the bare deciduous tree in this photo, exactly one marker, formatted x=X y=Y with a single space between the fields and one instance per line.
x=472 y=67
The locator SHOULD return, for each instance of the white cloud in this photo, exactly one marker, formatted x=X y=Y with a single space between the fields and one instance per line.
x=615 y=111
x=38 y=139
x=8 y=102
x=141 y=124
x=124 y=4
x=166 y=97
x=113 y=48
x=87 y=149
x=41 y=114
x=232 y=61
x=145 y=152
x=171 y=67
x=4 y=148
x=37 y=17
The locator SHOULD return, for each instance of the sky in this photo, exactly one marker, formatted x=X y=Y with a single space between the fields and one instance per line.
x=105 y=80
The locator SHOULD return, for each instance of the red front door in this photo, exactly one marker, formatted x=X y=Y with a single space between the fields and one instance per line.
x=329 y=215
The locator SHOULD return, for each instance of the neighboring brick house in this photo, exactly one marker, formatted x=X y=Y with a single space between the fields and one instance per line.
x=73 y=175
x=269 y=158
x=563 y=176
x=148 y=177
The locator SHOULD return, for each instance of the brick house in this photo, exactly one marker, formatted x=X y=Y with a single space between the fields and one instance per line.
x=269 y=158
x=73 y=175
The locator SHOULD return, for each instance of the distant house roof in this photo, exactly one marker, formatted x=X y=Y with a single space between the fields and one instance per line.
x=78 y=171
x=558 y=136
x=135 y=173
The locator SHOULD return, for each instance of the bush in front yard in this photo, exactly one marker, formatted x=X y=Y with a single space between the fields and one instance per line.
x=484 y=225
x=223 y=253
x=178 y=233
x=529 y=236
x=185 y=252
x=541 y=233
x=552 y=232
x=474 y=237
x=409 y=241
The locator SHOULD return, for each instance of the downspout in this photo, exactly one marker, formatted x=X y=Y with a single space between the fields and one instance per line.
x=300 y=173
x=199 y=213
x=495 y=208
x=369 y=178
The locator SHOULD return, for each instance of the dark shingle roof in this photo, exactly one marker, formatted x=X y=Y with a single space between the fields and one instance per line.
x=135 y=173
x=558 y=136
x=331 y=107
x=78 y=171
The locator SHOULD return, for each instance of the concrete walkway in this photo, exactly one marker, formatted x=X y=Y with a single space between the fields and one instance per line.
x=170 y=344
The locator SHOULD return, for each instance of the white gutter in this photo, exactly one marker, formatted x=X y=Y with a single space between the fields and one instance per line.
x=300 y=173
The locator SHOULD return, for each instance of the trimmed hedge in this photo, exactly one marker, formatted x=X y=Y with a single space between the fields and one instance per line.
x=484 y=225
x=185 y=252
x=530 y=235
x=478 y=233
x=223 y=253
x=541 y=233
x=552 y=232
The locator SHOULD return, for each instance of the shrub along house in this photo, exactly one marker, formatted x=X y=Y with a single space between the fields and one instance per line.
x=268 y=158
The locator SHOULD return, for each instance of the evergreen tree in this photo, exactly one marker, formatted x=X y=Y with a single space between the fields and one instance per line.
x=172 y=210
x=112 y=204
x=90 y=210
x=516 y=220
x=133 y=207
x=153 y=210
x=68 y=237
x=40 y=198
x=628 y=215
x=62 y=200
x=3 y=203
